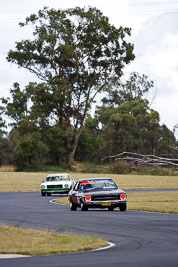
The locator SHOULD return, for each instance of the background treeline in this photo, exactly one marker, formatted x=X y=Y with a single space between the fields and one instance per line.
x=123 y=122
x=77 y=57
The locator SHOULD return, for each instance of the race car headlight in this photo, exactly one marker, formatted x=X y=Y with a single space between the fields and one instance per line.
x=88 y=198
x=66 y=185
x=42 y=186
x=123 y=197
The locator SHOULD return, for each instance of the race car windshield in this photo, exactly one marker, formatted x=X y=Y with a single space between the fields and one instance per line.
x=98 y=185
x=58 y=178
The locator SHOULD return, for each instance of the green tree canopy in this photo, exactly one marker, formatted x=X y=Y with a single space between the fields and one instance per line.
x=128 y=122
x=76 y=53
x=134 y=88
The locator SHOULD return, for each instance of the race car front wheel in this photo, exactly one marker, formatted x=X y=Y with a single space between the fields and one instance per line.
x=83 y=207
x=73 y=206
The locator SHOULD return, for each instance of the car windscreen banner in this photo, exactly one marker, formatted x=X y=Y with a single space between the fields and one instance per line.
x=110 y=181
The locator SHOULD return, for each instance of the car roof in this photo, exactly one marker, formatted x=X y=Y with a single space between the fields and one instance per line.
x=58 y=174
x=96 y=178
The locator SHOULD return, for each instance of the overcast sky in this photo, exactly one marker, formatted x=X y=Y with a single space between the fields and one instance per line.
x=154 y=26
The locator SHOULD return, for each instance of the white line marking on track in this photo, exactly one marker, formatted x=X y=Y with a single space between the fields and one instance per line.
x=10 y=256
x=110 y=244
x=52 y=201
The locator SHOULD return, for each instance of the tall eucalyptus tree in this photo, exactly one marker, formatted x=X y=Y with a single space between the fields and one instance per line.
x=76 y=53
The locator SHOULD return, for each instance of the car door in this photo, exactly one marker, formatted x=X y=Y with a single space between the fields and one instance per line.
x=74 y=193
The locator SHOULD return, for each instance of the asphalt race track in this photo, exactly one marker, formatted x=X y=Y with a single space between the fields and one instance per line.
x=141 y=239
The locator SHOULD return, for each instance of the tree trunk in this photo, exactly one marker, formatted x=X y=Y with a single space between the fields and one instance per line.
x=71 y=154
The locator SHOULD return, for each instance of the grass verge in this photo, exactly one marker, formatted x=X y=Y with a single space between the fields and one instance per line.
x=152 y=201
x=22 y=181
x=31 y=242
x=155 y=201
